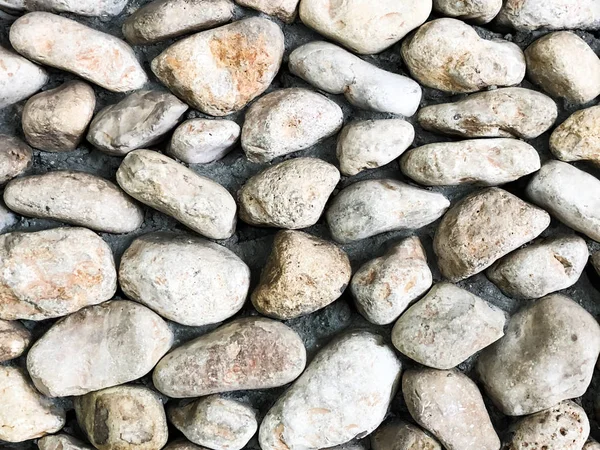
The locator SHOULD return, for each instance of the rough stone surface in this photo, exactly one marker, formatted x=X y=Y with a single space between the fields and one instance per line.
x=596 y=261
x=399 y=435
x=547 y=355
x=12 y=6
x=139 y=120
x=287 y=121
x=52 y=273
x=82 y=7
x=302 y=275
x=182 y=444
x=62 y=442
x=528 y=15
x=285 y=10
x=220 y=71
x=248 y=353
x=449 y=405
x=591 y=445
x=344 y=393
x=208 y=285
x=483 y=227
x=578 y=137
x=19 y=78
x=14 y=340
x=196 y=201
x=7 y=218
x=15 y=157
x=202 y=141
x=291 y=194
x=68 y=45
x=77 y=198
x=478 y=11
x=98 y=347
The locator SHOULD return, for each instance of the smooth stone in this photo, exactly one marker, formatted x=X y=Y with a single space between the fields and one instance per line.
x=77 y=198
x=98 y=347
x=202 y=141
x=477 y=11
x=343 y=394
x=52 y=273
x=291 y=194
x=7 y=218
x=302 y=275
x=93 y=8
x=578 y=137
x=162 y=183
x=12 y=6
x=449 y=55
x=62 y=43
x=285 y=10
x=248 y=353
x=529 y=15
x=286 y=121
x=14 y=340
x=220 y=71
x=400 y=435
x=19 y=78
x=62 y=442
x=384 y=287
x=547 y=355
x=332 y=69
x=372 y=207
x=182 y=444
x=15 y=157
x=208 y=286
x=482 y=228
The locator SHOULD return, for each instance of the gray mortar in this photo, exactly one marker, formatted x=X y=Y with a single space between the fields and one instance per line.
x=253 y=244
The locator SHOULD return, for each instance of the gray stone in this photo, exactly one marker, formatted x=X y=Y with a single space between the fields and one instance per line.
x=7 y=218
x=182 y=444
x=19 y=78
x=578 y=137
x=94 y=8
x=529 y=15
x=284 y=10
x=15 y=157
x=62 y=442
x=12 y=6
x=14 y=340
x=399 y=435
x=596 y=261
x=591 y=445
x=478 y=11
x=202 y=141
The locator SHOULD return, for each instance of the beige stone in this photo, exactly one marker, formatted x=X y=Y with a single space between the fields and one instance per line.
x=202 y=141
x=62 y=442
x=94 y=8
x=578 y=137
x=14 y=340
x=19 y=78
x=15 y=157
x=182 y=444
x=285 y=10
x=478 y=11
x=591 y=445
x=399 y=435
x=529 y=15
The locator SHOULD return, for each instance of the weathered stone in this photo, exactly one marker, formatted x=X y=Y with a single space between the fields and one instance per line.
x=7 y=218
x=569 y=194
x=371 y=144
x=371 y=207
x=98 y=347
x=400 y=435
x=482 y=228
x=139 y=120
x=12 y=6
x=19 y=78
x=479 y=11
x=62 y=442
x=14 y=340
x=596 y=261
x=81 y=7
x=182 y=444
x=25 y=413
x=591 y=445
x=52 y=273
x=282 y=9
x=202 y=141
x=164 y=19
x=77 y=198
x=547 y=356
x=216 y=422
x=286 y=121
x=447 y=326
x=578 y=137
x=337 y=71
x=384 y=287
x=209 y=285
x=291 y=194
x=123 y=417
x=15 y=157
x=344 y=393
x=362 y=26
x=506 y=112
x=449 y=405
x=541 y=268
x=564 y=65
x=302 y=275
x=68 y=45
x=197 y=202
x=249 y=353
x=487 y=162
x=56 y=120
x=449 y=55
x=529 y=15
x=220 y=71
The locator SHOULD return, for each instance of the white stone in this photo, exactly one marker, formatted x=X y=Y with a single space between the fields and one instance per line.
x=478 y=11
x=92 y=8
x=529 y=15
x=62 y=442
x=19 y=78
x=14 y=339
x=282 y=9
x=202 y=141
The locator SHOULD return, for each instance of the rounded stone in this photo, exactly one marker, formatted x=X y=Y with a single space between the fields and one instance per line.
x=399 y=435
x=93 y=8
x=14 y=340
x=529 y=15
x=7 y=218
x=578 y=137
x=478 y=11
x=19 y=78
x=62 y=442
x=15 y=157
x=284 y=10
x=202 y=141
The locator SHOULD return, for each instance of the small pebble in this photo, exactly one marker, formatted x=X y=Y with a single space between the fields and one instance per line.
x=578 y=137
x=15 y=157
x=19 y=78
x=202 y=141
x=286 y=121
x=93 y=8
x=529 y=15
x=302 y=275
x=285 y=10
x=7 y=218
x=478 y=11
x=62 y=442
x=14 y=340
x=400 y=435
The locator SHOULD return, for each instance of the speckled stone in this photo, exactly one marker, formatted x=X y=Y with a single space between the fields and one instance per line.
x=14 y=340
x=578 y=137
x=19 y=78
x=15 y=157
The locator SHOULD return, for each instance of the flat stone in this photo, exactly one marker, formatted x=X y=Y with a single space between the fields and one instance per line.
x=529 y=15
x=15 y=157
x=62 y=442
x=202 y=141
x=19 y=78
x=92 y=8
x=477 y=11
x=14 y=340
x=399 y=435
x=285 y=10
x=578 y=138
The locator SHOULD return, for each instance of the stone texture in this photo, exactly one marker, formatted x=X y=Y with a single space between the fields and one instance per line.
x=52 y=273
x=291 y=194
x=591 y=445
x=371 y=207
x=284 y=10
x=68 y=45
x=547 y=356
x=196 y=201
x=182 y=444
x=578 y=137
x=62 y=442
x=248 y=353
x=302 y=275
x=83 y=7
x=202 y=141
x=286 y=121
x=596 y=261
x=529 y=15
x=344 y=393
x=220 y=71
x=77 y=198
x=19 y=78
x=15 y=157
x=208 y=286
x=12 y=6
x=7 y=218
x=483 y=227
x=478 y=11
x=399 y=435
x=384 y=287
x=14 y=340
x=139 y=120
x=98 y=347
x=449 y=405
x=449 y=55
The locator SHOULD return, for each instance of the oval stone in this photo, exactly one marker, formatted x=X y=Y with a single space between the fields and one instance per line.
x=202 y=141
x=19 y=78
x=62 y=442
x=578 y=137
x=529 y=15
x=478 y=11
x=400 y=435
x=94 y=8
x=15 y=157
x=284 y=10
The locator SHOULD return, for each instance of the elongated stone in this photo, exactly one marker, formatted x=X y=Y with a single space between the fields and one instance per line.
x=478 y=11
x=202 y=141
x=14 y=340
x=62 y=442
x=93 y=8
x=282 y=9
x=19 y=78
x=528 y=15
x=15 y=157
x=400 y=435
x=578 y=137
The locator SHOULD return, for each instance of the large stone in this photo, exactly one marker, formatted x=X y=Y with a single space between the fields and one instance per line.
x=62 y=442
x=529 y=15
x=578 y=137
x=202 y=141
x=400 y=435
x=547 y=355
x=220 y=71
x=482 y=228
x=68 y=45
x=19 y=78
x=478 y=11
x=344 y=393
x=15 y=157
x=249 y=353
x=282 y=9
x=209 y=285
x=93 y=8
x=98 y=347
x=14 y=340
